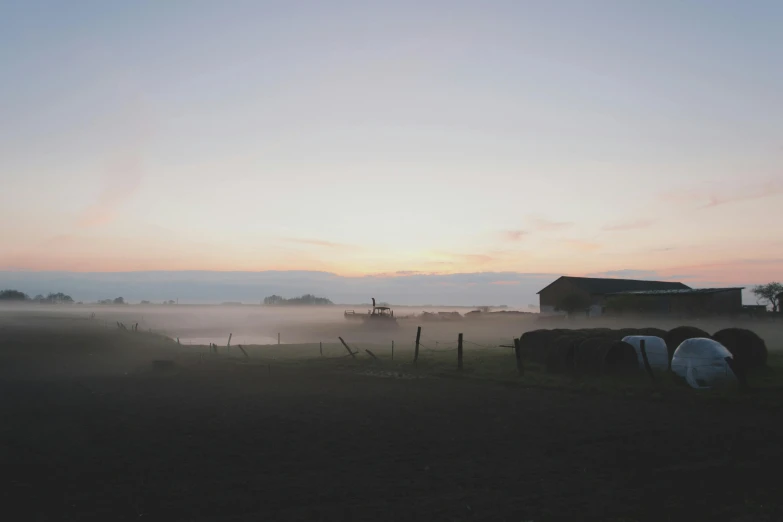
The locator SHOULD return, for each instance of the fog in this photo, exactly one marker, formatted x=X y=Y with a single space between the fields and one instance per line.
x=261 y=325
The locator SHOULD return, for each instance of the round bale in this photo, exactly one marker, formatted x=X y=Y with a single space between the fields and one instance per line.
x=620 y=359
x=749 y=350
x=653 y=332
x=589 y=354
x=560 y=358
x=534 y=345
x=676 y=336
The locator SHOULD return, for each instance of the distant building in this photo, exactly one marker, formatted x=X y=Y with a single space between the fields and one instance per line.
x=691 y=301
x=595 y=290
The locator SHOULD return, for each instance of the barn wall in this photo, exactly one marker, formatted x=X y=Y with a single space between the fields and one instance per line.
x=727 y=302
x=551 y=296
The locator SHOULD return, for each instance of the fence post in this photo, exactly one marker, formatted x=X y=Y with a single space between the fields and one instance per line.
x=243 y=351
x=321 y=348
x=518 y=355
x=459 y=352
x=353 y=355
x=418 y=338
x=643 y=349
x=392 y=350
x=278 y=338
x=229 y=339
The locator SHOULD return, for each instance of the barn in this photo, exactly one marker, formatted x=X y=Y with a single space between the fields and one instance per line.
x=594 y=290
x=682 y=302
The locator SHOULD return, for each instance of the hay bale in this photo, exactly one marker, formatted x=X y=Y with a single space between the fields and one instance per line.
x=534 y=345
x=602 y=356
x=588 y=357
x=653 y=332
x=620 y=359
x=749 y=350
x=560 y=357
x=676 y=336
x=626 y=332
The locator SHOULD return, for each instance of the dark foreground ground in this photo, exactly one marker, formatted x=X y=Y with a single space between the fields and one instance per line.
x=227 y=442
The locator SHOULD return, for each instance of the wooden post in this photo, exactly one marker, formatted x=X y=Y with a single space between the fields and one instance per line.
x=643 y=349
x=243 y=351
x=518 y=355
x=418 y=338
x=177 y=340
x=459 y=352
x=392 y=350
x=370 y=353
x=229 y=339
x=278 y=338
x=321 y=348
x=353 y=355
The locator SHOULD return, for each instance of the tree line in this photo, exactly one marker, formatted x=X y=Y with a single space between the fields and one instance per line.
x=307 y=299
x=16 y=295
x=51 y=298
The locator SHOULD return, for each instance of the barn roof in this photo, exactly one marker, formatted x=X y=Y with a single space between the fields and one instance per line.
x=679 y=291
x=602 y=286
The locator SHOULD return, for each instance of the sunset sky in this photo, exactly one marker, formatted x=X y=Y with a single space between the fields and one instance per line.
x=389 y=138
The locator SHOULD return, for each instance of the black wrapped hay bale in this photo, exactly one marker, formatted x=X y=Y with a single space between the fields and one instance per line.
x=560 y=357
x=749 y=350
x=588 y=357
x=534 y=345
x=653 y=332
x=620 y=359
x=625 y=332
x=676 y=336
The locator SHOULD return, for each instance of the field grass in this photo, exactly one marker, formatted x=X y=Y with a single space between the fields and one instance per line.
x=94 y=430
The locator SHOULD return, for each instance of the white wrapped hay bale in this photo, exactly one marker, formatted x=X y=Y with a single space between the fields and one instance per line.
x=703 y=363
x=657 y=354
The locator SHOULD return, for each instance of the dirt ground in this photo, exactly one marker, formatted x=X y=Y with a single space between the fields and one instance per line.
x=214 y=439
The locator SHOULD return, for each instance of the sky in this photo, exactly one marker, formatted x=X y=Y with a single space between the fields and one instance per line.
x=392 y=139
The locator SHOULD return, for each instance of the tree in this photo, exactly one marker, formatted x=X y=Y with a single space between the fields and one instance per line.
x=769 y=294
x=307 y=299
x=119 y=301
x=145 y=302
x=573 y=303
x=59 y=297
x=13 y=295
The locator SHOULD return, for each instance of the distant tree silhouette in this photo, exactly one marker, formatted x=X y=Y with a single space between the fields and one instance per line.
x=59 y=297
x=769 y=294
x=305 y=300
x=119 y=301
x=13 y=295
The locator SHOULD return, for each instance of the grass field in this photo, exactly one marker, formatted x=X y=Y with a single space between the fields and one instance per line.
x=93 y=430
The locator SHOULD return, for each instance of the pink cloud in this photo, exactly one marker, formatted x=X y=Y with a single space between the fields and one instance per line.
x=122 y=181
x=629 y=225
x=514 y=235
x=316 y=242
x=582 y=246
x=709 y=197
x=546 y=225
